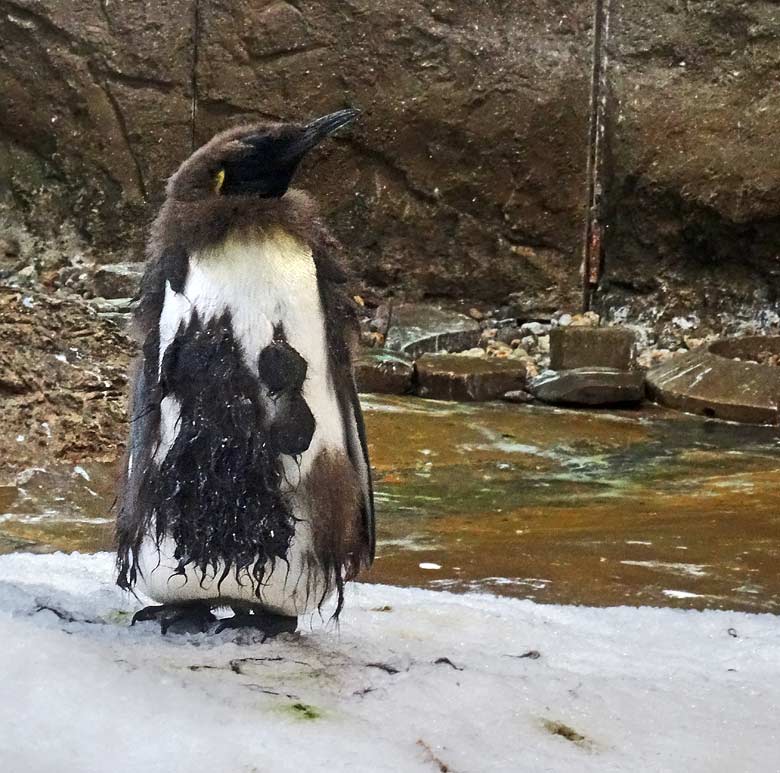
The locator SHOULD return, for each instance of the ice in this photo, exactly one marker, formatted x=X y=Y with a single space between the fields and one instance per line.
x=411 y=680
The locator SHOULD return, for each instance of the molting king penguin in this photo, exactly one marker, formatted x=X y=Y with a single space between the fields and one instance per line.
x=247 y=481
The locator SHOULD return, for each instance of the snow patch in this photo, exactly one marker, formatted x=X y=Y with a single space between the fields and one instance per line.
x=411 y=680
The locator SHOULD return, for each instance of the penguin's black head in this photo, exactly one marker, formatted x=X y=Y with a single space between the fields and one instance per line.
x=258 y=160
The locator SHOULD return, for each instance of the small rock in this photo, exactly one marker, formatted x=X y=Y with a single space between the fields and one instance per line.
x=564 y=320
x=381 y=319
x=518 y=396
x=588 y=319
x=489 y=334
x=476 y=351
x=534 y=328
x=528 y=343
x=26 y=277
x=118 y=280
x=498 y=349
x=112 y=305
x=9 y=248
x=447 y=377
x=508 y=334
x=531 y=369
x=519 y=353
x=543 y=344
x=476 y=314
x=372 y=339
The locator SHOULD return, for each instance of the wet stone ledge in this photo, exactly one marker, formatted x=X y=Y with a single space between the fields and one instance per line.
x=723 y=380
x=467 y=379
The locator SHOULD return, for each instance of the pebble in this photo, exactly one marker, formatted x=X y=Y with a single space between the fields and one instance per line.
x=26 y=277
x=372 y=339
x=476 y=351
x=543 y=344
x=564 y=320
x=518 y=396
x=588 y=319
x=498 y=349
x=534 y=328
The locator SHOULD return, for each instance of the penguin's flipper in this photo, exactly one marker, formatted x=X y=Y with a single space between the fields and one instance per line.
x=342 y=331
x=357 y=450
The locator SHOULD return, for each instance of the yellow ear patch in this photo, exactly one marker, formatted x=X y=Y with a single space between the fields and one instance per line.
x=219 y=179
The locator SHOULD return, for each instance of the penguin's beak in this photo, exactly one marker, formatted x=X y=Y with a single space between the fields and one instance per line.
x=316 y=131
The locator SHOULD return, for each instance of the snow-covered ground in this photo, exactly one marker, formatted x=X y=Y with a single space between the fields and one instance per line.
x=411 y=680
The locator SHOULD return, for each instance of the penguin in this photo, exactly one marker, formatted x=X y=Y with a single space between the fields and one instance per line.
x=246 y=483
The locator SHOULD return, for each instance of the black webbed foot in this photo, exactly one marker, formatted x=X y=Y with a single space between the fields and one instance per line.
x=177 y=618
x=269 y=624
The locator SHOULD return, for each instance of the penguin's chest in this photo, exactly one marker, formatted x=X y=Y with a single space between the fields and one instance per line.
x=266 y=292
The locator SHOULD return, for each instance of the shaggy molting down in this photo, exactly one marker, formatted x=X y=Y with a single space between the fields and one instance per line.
x=247 y=448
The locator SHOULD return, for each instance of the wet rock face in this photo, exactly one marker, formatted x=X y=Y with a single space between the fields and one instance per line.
x=695 y=190
x=463 y=177
x=96 y=114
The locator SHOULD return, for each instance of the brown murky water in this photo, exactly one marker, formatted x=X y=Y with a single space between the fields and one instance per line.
x=558 y=506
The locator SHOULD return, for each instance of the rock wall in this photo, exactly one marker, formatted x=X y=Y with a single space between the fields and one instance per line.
x=464 y=176
x=694 y=218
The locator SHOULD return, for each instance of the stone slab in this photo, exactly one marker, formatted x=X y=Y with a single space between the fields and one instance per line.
x=383 y=372
x=416 y=329
x=711 y=382
x=468 y=379
x=591 y=347
x=589 y=386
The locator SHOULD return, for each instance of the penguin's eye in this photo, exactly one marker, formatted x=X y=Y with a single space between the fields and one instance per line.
x=219 y=180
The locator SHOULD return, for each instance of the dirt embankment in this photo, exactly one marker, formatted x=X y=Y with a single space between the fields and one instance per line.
x=63 y=380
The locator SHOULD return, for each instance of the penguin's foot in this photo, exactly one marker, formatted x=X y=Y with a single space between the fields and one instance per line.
x=268 y=623
x=177 y=618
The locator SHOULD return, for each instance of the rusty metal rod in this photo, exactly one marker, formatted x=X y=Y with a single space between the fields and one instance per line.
x=592 y=246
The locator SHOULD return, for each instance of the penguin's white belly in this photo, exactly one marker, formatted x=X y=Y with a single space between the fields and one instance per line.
x=262 y=284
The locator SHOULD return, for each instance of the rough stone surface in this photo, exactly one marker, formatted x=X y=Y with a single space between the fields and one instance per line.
x=449 y=377
x=596 y=347
x=419 y=328
x=96 y=114
x=464 y=175
x=711 y=382
x=383 y=372
x=63 y=375
x=589 y=386
x=120 y=280
x=694 y=198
